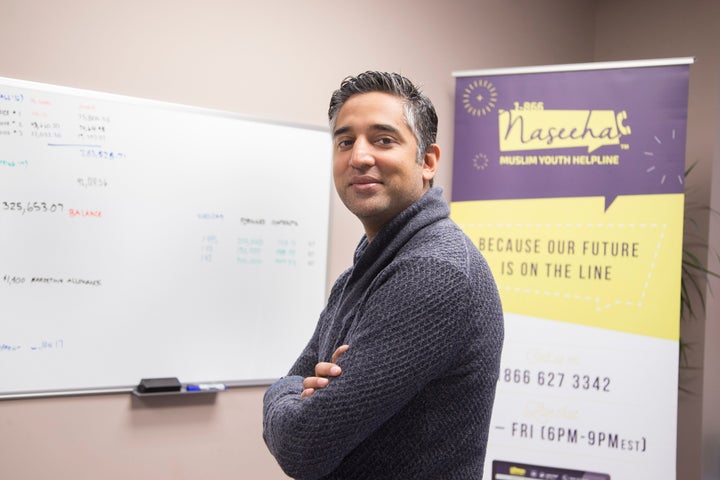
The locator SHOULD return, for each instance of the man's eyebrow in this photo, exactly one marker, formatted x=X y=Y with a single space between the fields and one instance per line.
x=341 y=131
x=385 y=128
x=378 y=126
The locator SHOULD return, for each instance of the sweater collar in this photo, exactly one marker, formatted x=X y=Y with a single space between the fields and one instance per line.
x=428 y=209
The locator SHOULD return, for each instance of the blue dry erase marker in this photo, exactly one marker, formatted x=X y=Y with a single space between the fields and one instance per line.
x=206 y=387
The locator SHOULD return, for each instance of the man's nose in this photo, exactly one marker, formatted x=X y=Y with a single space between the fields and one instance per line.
x=361 y=155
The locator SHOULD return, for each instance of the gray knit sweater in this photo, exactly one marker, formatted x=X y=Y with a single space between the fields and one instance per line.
x=421 y=313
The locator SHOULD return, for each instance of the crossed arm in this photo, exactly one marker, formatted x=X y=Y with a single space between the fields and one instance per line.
x=389 y=359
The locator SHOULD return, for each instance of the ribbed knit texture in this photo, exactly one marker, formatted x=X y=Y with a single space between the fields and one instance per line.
x=422 y=316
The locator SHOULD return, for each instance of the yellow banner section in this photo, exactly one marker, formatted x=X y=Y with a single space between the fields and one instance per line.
x=568 y=259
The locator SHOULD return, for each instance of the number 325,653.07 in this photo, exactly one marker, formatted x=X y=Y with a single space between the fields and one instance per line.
x=32 y=207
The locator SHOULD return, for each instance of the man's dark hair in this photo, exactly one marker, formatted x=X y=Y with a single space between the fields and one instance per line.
x=420 y=114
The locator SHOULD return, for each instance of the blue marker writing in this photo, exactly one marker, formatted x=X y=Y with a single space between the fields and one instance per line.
x=205 y=387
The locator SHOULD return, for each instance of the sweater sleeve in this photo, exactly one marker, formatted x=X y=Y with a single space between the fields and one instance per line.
x=406 y=333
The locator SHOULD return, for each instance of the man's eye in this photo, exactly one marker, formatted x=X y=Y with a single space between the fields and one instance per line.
x=344 y=144
x=385 y=140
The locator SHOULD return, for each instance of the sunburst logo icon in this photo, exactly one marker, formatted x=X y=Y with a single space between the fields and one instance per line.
x=661 y=162
x=479 y=97
x=480 y=161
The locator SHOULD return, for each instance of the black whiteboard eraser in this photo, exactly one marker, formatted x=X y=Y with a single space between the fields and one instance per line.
x=157 y=385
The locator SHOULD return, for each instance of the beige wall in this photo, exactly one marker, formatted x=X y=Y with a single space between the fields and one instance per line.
x=668 y=28
x=281 y=60
x=710 y=434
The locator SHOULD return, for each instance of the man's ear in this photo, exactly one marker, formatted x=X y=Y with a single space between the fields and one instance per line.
x=430 y=162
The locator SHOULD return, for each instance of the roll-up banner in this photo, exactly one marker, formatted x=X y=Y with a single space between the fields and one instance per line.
x=570 y=180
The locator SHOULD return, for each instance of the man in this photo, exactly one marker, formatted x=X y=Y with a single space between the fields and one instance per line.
x=398 y=379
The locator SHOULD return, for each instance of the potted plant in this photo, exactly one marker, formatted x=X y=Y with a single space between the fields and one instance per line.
x=694 y=275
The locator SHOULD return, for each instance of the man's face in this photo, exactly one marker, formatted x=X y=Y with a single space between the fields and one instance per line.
x=375 y=160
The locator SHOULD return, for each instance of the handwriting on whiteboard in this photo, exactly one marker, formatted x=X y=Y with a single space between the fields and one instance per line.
x=39 y=346
x=49 y=280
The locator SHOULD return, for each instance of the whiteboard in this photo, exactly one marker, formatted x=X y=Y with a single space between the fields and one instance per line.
x=141 y=239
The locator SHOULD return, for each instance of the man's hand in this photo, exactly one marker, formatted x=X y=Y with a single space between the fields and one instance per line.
x=323 y=370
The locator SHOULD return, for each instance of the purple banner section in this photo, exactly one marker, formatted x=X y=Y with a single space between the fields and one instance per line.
x=570 y=134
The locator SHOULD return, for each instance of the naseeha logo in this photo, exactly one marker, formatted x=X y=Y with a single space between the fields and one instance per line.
x=538 y=129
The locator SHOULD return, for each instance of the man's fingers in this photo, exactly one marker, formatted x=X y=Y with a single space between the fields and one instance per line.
x=315 y=382
x=322 y=371
x=340 y=350
x=327 y=369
